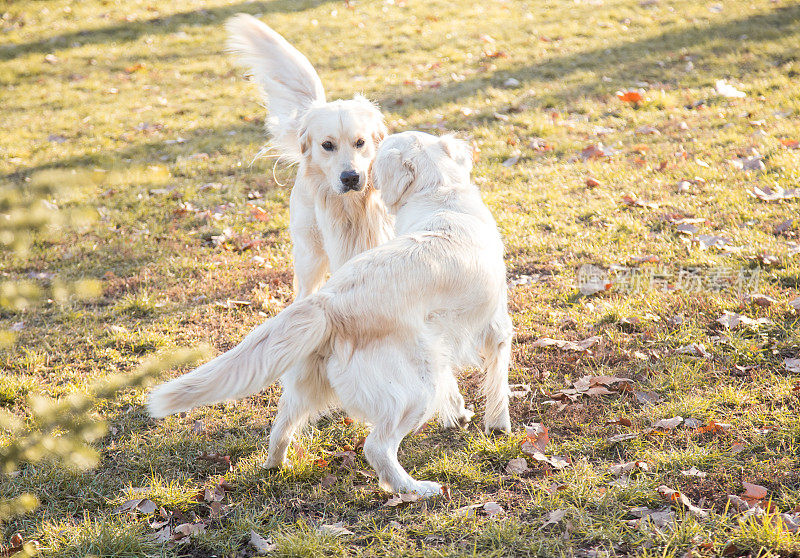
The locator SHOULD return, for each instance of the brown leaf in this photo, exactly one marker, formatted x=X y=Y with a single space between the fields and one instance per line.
x=675 y=497
x=668 y=424
x=630 y=96
x=694 y=472
x=623 y=437
x=538 y=436
x=629 y=467
x=517 y=466
x=592 y=182
x=335 y=529
x=647 y=397
x=761 y=300
x=327 y=480
x=631 y=199
x=188 y=530
x=402 y=498
x=753 y=492
x=262 y=545
x=715 y=427
x=492 y=508
x=694 y=349
x=596 y=151
x=792 y=365
x=553 y=517
x=621 y=421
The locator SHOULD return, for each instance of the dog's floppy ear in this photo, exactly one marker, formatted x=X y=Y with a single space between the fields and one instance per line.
x=457 y=150
x=380 y=132
x=304 y=139
x=392 y=174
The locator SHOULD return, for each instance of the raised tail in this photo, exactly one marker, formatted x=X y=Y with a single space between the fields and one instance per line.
x=259 y=360
x=288 y=81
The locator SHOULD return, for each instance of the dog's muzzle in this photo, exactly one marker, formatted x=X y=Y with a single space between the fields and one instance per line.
x=350 y=180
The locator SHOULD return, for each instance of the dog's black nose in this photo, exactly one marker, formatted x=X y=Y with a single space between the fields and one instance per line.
x=349 y=180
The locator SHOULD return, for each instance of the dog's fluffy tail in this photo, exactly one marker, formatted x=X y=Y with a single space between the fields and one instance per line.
x=288 y=81
x=259 y=360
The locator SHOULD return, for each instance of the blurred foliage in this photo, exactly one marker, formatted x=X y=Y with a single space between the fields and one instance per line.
x=54 y=429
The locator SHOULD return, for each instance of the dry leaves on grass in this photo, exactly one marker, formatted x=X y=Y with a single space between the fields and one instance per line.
x=732 y=320
x=335 y=529
x=402 y=498
x=591 y=386
x=489 y=509
x=534 y=445
x=633 y=200
x=676 y=497
x=596 y=151
x=260 y=544
x=579 y=346
x=694 y=349
x=769 y=195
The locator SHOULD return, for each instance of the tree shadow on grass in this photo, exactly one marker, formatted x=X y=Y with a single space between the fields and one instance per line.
x=130 y=31
x=630 y=61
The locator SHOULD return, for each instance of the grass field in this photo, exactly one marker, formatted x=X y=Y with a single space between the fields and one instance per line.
x=136 y=107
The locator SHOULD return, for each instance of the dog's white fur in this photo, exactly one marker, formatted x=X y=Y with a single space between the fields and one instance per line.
x=385 y=335
x=329 y=221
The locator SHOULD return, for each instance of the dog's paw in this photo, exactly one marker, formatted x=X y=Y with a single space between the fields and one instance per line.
x=426 y=489
x=500 y=427
x=460 y=420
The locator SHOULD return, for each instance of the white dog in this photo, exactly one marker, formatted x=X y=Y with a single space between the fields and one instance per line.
x=334 y=211
x=391 y=326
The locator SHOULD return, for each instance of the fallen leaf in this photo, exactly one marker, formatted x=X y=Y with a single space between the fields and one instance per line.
x=795 y=303
x=492 y=508
x=596 y=151
x=647 y=397
x=792 y=365
x=769 y=195
x=714 y=427
x=623 y=437
x=694 y=472
x=761 y=300
x=511 y=161
x=754 y=162
x=538 y=436
x=188 y=530
x=402 y=498
x=335 y=529
x=754 y=492
x=631 y=199
x=694 y=349
x=621 y=421
x=553 y=517
x=592 y=182
x=215 y=457
x=629 y=466
x=630 y=96
x=580 y=346
x=668 y=424
x=676 y=497
x=517 y=466
x=790 y=143
x=262 y=545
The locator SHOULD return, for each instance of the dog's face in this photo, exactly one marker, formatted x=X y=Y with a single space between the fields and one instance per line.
x=339 y=140
x=409 y=161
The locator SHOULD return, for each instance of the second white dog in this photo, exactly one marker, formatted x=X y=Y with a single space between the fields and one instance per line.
x=334 y=211
x=385 y=335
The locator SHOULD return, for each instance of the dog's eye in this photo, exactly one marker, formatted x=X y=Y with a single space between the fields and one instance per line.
x=327 y=145
x=360 y=143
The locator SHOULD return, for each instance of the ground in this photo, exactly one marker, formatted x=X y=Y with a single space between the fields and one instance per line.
x=136 y=106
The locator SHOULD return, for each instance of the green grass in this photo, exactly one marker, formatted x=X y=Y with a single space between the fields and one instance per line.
x=127 y=79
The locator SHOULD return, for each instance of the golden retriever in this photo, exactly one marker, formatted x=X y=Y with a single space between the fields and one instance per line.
x=383 y=338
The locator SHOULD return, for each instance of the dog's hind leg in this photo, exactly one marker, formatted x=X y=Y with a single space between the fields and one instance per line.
x=380 y=449
x=306 y=392
x=392 y=385
x=453 y=413
x=496 y=360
